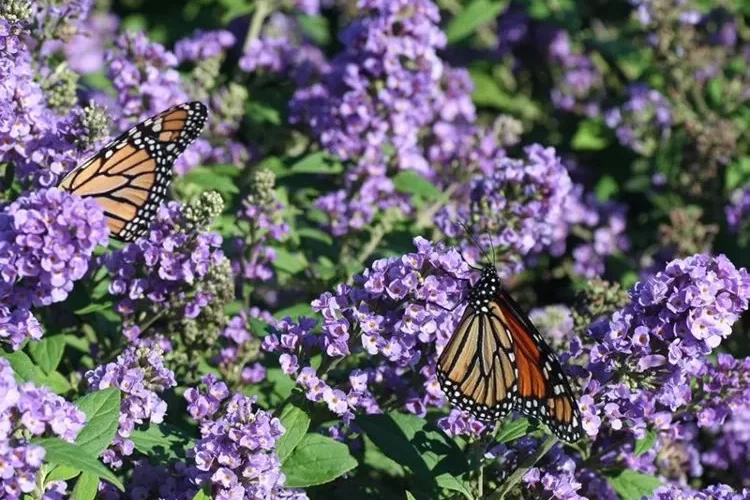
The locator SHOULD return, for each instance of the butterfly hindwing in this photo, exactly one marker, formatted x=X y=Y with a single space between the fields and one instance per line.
x=129 y=177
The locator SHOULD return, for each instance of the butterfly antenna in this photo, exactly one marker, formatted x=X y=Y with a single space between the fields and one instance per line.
x=494 y=258
x=474 y=241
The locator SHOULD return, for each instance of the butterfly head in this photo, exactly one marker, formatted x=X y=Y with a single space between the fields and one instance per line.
x=485 y=289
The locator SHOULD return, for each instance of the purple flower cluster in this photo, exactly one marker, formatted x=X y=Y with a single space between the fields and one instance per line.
x=555 y=477
x=144 y=76
x=85 y=52
x=394 y=314
x=379 y=92
x=675 y=319
x=262 y=223
x=738 y=210
x=516 y=208
x=238 y=357
x=236 y=451
x=28 y=137
x=579 y=84
x=141 y=376
x=28 y=411
x=730 y=448
x=203 y=45
x=163 y=266
x=204 y=52
x=605 y=222
x=642 y=122
x=713 y=492
x=46 y=240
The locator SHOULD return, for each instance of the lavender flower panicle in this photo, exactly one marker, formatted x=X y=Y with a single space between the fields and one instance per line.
x=46 y=241
x=141 y=376
x=235 y=453
x=28 y=411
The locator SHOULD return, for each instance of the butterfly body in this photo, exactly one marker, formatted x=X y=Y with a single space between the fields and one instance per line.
x=497 y=361
x=129 y=177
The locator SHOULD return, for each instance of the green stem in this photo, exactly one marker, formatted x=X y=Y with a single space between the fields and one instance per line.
x=262 y=9
x=10 y=174
x=518 y=474
x=427 y=215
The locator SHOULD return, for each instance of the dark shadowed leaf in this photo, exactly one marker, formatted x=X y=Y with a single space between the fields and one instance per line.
x=163 y=442
x=434 y=459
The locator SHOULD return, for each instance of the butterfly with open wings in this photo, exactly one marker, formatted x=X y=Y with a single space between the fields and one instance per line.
x=129 y=177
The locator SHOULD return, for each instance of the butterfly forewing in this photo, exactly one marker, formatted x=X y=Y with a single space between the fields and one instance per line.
x=129 y=177
x=497 y=361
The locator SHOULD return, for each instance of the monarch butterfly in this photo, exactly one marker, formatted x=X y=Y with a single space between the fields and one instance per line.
x=497 y=361
x=130 y=175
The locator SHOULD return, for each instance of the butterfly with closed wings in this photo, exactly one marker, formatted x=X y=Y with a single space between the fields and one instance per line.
x=129 y=177
x=497 y=361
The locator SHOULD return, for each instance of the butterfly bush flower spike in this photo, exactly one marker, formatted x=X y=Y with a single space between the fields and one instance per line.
x=141 y=376
x=47 y=239
x=28 y=411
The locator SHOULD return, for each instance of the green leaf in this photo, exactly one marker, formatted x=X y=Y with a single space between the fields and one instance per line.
x=207 y=178
x=202 y=494
x=288 y=262
x=62 y=473
x=102 y=409
x=410 y=182
x=23 y=367
x=606 y=188
x=409 y=496
x=317 y=163
x=514 y=430
x=376 y=459
x=738 y=173
x=317 y=459
x=162 y=442
x=433 y=458
x=591 y=135
x=294 y=311
x=258 y=327
x=316 y=28
x=315 y=234
x=57 y=382
x=277 y=388
x=296 y=421
x=645 y=443
x=61 y=452
x=86 y=487
x=48 y=352
x=476 y=14
x=632 y=485
x=488 y=93
x=260 y=112
x=92 y=308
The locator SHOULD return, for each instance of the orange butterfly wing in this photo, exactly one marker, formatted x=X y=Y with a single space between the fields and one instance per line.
x=130 y=175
